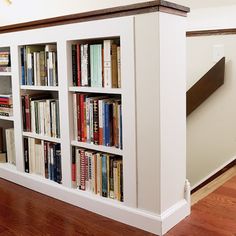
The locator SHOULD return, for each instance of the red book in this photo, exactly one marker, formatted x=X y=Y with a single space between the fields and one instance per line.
x=95 y=122
x=82 y=169
x=27 y=113
x=78 y=65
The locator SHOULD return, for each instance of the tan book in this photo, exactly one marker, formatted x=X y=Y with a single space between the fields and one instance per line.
x=114 y=66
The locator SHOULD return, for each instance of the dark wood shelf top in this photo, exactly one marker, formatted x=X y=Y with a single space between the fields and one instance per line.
x=133 y=9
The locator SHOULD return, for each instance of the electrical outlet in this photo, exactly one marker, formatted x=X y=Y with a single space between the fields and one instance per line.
x=218 y=52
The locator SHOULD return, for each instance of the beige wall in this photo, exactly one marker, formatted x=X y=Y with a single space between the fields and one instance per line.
x=26 y=10
x=211 y=129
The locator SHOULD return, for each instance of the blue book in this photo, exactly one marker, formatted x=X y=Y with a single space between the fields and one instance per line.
x=106 y=127
x=104 y=176
x=22 y=51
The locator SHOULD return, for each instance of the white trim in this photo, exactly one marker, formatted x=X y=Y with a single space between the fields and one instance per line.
x=213 y=172
x=96 y=90
x=101 y=148
x=157 y=224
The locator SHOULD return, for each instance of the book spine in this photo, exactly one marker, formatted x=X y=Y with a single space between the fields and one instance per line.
x=95 y=122
x=74 y=65
x=78 y=79
x=107 y=64
x=22 y=66
x=100 y=121
x=75 y=119
x=83 y=169
x=73 y=167
x=26 y=155
x=118 y=67
x=104 y=176
x=114 y=66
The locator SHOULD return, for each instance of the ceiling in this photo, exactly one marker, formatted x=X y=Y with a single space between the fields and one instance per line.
x=194 y=4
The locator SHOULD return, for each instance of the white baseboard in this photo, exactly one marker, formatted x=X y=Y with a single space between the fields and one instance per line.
x=154 y=223
x=213 y=172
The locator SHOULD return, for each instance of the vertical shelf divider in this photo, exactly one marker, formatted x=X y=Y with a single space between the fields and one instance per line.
x=64 y=106
x=16 y=96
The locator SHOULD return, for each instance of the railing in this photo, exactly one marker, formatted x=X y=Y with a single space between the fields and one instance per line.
x=206 y=86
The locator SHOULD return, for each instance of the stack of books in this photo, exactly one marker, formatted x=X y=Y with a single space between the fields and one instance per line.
x=6 y=107
x=41 y=114
x=7 y=146
x=97 y=64
x=39 y=65
x=5 y=62
x=97 y=120
x=97 y=172
x=43 y=158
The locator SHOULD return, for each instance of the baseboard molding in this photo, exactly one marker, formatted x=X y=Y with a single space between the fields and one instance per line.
x=154 y=223
x=219 y=171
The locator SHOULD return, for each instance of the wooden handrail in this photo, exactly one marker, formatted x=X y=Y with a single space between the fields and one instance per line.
x=207 y=85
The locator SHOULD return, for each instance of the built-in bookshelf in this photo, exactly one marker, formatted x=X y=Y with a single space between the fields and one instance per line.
x=91 y=113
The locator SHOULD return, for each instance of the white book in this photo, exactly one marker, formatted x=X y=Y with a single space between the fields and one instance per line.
x=107 y=63
x=38 y=69
x=42 y=159
x=8 y=144
x=84 y=64
x=99 y=174
x=47 y=118
x=41 y=115
x=32 y=116
x=32 y=160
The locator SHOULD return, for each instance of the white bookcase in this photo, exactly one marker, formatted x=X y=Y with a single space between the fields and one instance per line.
x=153 y=116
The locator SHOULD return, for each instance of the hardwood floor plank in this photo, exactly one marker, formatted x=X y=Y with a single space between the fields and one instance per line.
x=25 y=212
x=215 y=215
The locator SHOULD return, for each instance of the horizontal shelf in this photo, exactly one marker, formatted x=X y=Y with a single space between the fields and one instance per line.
x=7 y=166
x=44 y=88
x=5 y=73
x=100 y=148
x=42 y=137
x=37 y=180
x=96 y=196
x=96 y=90
x=10 y=118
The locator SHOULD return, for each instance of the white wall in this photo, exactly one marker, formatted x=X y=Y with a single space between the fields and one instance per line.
x=212 y=18
x=211 y=129
x=26 y=10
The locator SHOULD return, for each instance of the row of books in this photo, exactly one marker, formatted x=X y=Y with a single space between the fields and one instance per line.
x=7 y=146
x=6 y=107
x=5 y=61
x=98 y=173
x=39 y=65
x=96 y=64
x=41 y=114
x=43 y=158
x=97 y=120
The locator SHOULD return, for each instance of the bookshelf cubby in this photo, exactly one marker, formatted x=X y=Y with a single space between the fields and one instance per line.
x=127 y=70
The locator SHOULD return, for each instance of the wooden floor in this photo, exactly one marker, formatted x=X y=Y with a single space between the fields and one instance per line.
x=214 y=215
x=24 y=212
